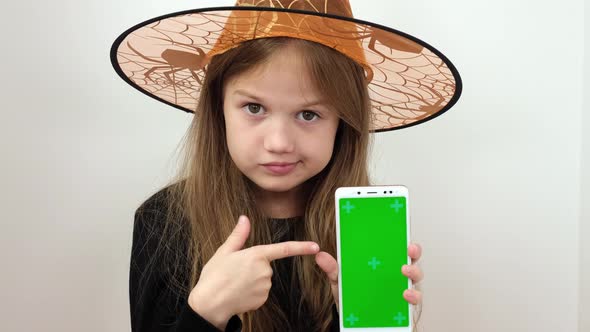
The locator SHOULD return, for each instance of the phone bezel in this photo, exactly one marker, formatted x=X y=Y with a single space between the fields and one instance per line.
x=372 y=191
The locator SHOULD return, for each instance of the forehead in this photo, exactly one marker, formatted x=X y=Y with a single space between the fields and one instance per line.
x=284 y=74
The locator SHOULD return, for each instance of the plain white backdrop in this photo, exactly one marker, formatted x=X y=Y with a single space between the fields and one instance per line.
x=498 y=183
x=584 y=238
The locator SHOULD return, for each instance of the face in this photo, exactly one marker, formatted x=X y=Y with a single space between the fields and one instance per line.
x=279 y=131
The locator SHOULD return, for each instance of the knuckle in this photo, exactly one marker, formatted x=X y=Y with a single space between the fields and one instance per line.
x=285 y=249
x=261 y=299
x=418 y=250
x=269 y=273
x=418 y=296
x=265 y=273
x=251 y=256
x=260 y=302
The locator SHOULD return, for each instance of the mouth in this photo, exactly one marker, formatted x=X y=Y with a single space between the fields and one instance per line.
x=279 y=164
x=280 y=168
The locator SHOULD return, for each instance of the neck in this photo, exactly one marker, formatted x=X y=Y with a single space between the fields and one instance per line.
x=281 y=205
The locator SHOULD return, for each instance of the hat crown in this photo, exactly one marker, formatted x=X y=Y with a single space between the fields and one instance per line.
x=333 y=7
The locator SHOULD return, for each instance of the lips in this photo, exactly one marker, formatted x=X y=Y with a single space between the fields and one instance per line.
x=278 y=164
x=279 y=168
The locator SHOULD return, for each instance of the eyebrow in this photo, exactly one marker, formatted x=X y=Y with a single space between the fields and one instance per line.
x=251 y=95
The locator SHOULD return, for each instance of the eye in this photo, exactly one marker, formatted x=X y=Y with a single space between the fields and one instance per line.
x=309 y=116
x=253 y=108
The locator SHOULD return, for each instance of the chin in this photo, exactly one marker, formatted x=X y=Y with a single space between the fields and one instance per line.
x=278 y=185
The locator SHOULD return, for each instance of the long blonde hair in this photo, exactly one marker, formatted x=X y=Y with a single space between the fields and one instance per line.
x=209 y=192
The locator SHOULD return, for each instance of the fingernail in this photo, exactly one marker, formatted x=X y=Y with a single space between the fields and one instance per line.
x=406 y=269
x=315 y=247
x=241 y=219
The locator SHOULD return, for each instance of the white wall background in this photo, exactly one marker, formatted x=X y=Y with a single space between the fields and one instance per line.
x=584 y=309
x=498 y=183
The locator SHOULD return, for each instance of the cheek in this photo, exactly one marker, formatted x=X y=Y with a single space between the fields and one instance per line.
x=325 y=149
x=231 y=138
x=241 y=144
x=329 y=150
x=235 y=144
x=232 y=128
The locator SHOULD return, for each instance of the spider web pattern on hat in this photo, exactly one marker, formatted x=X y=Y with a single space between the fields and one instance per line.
x=166 y=58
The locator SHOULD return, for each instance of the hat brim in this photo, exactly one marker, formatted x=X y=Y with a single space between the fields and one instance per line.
x=163 y=58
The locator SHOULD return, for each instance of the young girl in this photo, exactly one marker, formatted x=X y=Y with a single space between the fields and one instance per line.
x=244 y=237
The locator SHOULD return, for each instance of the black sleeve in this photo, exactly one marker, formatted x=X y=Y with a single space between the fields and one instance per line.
x=154 y=308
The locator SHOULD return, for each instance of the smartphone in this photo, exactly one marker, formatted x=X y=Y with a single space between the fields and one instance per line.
x=373 y=234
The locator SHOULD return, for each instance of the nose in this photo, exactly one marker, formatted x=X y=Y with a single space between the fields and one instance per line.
x=279 y=138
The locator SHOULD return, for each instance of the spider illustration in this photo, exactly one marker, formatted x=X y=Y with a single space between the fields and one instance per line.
x=176 y=60
x=385 y=38
x=392 y=41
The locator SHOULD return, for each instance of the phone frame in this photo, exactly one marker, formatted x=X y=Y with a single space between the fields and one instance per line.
x=371 y=191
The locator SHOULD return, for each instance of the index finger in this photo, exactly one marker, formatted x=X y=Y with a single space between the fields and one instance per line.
x=288 y=249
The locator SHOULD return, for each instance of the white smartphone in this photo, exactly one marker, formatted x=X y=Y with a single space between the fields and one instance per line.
x=373 y=234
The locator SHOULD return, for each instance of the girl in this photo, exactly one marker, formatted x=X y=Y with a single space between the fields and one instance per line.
x=244 y=237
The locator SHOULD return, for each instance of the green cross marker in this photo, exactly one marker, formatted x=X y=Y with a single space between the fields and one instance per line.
x=348 y=207
x=374 y=262
x=352 y=319
x=397 y=205
x=399 y=318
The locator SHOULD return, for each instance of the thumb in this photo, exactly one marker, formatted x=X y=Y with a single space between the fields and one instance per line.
x=235 y=241
x=329 y=265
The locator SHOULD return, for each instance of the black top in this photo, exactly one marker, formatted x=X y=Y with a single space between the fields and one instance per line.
x=157 y=306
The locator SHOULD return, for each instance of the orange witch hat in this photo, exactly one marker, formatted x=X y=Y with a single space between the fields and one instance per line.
x=410 y=82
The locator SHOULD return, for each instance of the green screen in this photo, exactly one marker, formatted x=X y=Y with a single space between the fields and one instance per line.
x=373 y=248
